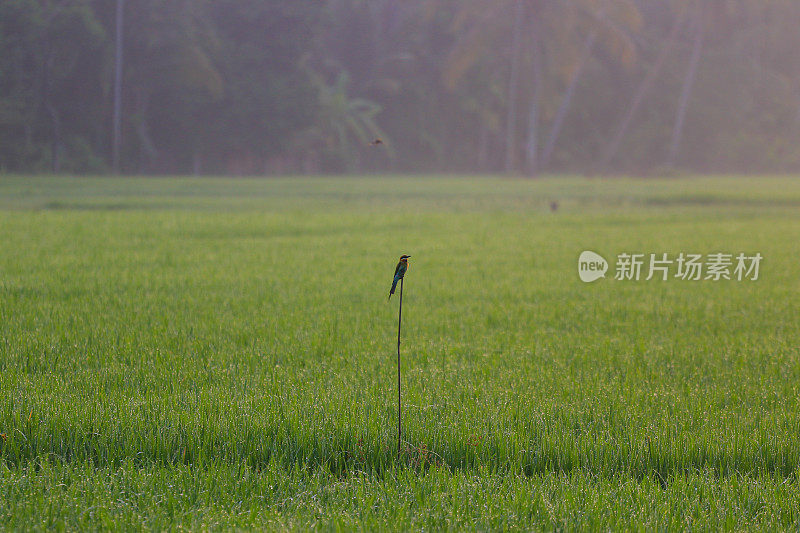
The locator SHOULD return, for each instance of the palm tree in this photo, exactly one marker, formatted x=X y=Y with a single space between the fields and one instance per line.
x=346 y=123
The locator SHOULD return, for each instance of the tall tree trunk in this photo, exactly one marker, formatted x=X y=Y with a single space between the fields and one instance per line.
x=197 y=160
x=117 y=126
x=513 y=81
x=148 y=153
x=563 y=108
x=641 y=92
x=50 y=108
x=532 y=147
x=28 y=129
x=56 y=144
x=483 y=147
x=686 y=90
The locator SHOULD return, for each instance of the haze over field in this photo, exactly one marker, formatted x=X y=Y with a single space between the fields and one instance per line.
x=517 y=86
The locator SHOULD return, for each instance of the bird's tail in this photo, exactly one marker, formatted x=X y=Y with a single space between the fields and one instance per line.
x=394 y=286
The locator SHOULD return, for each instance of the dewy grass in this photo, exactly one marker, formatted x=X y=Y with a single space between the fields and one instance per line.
x=220 y=353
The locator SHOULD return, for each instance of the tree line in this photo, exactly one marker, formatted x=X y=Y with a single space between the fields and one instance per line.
x=514 y=86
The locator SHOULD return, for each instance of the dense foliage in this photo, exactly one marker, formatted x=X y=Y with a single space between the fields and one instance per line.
x=521 y=86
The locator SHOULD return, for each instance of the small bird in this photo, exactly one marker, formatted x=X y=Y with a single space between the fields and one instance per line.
x=554 y=206
x=376 y=142
x=399 y=272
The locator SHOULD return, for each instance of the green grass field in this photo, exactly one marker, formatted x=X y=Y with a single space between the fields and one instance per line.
x=220 y=353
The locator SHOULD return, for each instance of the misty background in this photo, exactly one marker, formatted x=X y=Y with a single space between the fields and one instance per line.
x=252 y=87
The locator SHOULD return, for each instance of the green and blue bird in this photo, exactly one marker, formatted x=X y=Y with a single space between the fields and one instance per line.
x=399 y=272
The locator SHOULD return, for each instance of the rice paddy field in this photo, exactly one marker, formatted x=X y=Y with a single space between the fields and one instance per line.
x=217 y=354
